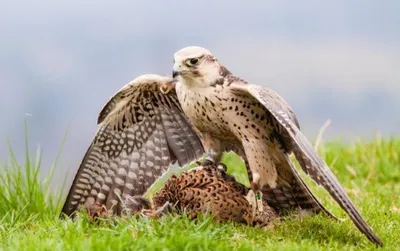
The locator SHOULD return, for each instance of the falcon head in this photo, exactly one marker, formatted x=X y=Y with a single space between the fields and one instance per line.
x=197 y=67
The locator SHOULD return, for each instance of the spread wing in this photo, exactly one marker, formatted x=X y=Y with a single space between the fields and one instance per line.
x=142 y=132
x=308 y=158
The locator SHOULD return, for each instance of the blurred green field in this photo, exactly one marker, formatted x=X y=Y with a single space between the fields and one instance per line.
x=370 y=172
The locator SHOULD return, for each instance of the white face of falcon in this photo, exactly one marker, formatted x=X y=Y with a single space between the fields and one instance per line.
x=196 y=67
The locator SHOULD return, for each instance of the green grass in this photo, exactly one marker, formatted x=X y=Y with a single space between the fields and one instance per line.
x=369 y=171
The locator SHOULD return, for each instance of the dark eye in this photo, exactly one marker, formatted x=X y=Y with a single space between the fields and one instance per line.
x=193 y=61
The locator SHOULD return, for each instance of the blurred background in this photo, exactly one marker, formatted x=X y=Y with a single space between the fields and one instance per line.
x=60 y=61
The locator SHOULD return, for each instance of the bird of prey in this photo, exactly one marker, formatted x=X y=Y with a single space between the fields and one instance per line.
x=226 y=111
x=155 y=121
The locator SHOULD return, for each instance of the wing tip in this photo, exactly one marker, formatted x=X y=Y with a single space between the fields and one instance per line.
x=374 y=238
x=66 y=213
x=378 y=241
x=370 y=234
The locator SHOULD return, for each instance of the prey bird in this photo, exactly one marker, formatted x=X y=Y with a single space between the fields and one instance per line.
x=204 y=189
x=156 y=121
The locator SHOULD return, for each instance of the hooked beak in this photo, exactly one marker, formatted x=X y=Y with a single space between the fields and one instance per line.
x=176 y=71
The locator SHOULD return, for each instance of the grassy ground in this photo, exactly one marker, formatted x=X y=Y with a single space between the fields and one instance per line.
x=370 y=172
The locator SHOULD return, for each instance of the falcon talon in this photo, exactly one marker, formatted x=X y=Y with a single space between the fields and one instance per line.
x=205 y=162
x=222 y=167
x=198 y=162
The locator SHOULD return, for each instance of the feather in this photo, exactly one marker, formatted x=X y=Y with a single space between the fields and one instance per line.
x=308 y=158
x=141 y=133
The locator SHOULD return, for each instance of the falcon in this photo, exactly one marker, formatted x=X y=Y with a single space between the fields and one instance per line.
x=229 y=113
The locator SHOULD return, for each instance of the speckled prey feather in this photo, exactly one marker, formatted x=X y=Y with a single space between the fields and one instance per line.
x=207 y=189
